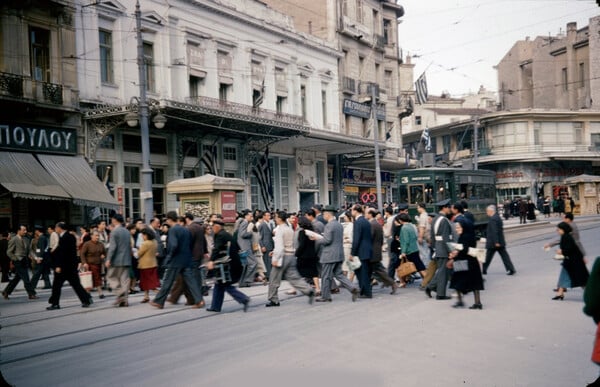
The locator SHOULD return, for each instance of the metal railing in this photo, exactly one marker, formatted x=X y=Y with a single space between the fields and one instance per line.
x=11 y=84
x=52 y=93
x=349 y=84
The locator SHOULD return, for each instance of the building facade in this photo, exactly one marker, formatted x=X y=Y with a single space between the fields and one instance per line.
x=232 y=78
x=43 y=176
x=548 y=129
x=366 y=34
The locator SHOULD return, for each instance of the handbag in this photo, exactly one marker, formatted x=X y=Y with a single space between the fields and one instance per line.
x=353 y=265
x=85 y=277
x=461 y=265
x=406 y=268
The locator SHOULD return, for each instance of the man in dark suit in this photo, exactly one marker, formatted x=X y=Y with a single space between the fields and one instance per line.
x=178 y=261
x=362 y=247
x=266 y=239
x=332 y=255
x=441 y=234
x=375 y=266
x=199 y=253
x=495 y=242
x=39 y=253
x=220 y=251
x=65 y=263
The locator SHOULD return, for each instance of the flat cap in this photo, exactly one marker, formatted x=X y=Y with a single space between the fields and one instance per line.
x=443 y=203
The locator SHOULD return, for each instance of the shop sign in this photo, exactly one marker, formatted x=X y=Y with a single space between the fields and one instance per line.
x=350 y=189
x=414 y=179
x=228 y=206
x=364 y=177
x=363 y=110
x=39 y=139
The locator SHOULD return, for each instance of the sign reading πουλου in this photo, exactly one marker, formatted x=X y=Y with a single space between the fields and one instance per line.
x=38 y=139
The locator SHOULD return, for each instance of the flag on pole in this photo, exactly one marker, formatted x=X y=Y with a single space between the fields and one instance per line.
x=262 y=171
x=209 y=159
x=421 y=89
x=426 y=138
x=260 y=96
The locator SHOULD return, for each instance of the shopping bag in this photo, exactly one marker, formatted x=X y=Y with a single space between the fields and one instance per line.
x=85 y=277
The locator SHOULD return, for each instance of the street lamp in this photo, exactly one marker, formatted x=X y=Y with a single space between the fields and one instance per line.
x=376 y=143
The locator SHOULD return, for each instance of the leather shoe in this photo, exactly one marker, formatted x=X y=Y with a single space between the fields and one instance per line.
x=354 y=294
x=33 y=297
x=246 y=305
x=86 y=305
x=476 y=306
x=53 y=307
x=394 y=289
x=510 y=272
x=5 y=295
x=271 y=304
x=212 y=310
x=199 y=305
x=311 y=297
x=458 y=304
x=156 y=305
x=428 y=292
x=321 y=299
x=442 y=297
x=335 y=291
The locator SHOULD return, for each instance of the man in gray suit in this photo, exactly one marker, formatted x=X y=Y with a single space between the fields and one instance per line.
x=18 y=252
x=318 y=226
x=441 y=234
x=495 y=242
x=244 y=240
x=118 y=260
x=332 y=256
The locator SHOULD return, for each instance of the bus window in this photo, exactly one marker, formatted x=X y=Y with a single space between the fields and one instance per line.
x=416 y=194
x=402 y=194
x=442 y=190
x=428 y=193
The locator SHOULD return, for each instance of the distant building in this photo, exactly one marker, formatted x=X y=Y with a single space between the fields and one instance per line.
x=548 y=127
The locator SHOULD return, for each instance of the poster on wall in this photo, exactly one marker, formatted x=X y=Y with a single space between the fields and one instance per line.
x=228 y=206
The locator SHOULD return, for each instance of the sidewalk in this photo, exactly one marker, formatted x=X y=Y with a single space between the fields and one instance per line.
x=513 y=222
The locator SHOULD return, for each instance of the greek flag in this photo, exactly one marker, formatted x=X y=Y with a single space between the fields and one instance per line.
x=260 y=97
x=421 y=89
x=262 y=171
x=426 y=138
x=209 y=159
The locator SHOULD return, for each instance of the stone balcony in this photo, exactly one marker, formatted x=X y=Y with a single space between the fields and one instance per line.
x=18 y=87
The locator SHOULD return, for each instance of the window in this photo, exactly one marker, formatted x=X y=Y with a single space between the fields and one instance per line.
x=387 y=81
x=280 y=79
x=158 y=176
x=359 y=11
x=345 y=7
x=366 y=133
x=149 y=66
x=377 y=74
x=257 y=98
x=446 y=142
x=582 y=75
x=106 y=57
x=280 y=104
x=324 y=107
x=361 y=66
x=107 y=142
x=565 y=79
x=417 y=120
x=284 y=185
x=195 y=86
x=387 y=31
x=223 y=91
x=595 y=141
x=158 y=189
x=105 y=170
x=230 y=153
x=190 y=148
x=40 y=54
x=303 y=100
x=537 y=127
x=131 y=174
x=376 y=25
x=578 y=128
x=133 y=143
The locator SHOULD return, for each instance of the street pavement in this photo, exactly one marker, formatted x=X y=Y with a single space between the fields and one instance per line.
x=520 y=338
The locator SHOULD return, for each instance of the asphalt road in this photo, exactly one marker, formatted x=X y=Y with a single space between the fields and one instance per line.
x=520 y=338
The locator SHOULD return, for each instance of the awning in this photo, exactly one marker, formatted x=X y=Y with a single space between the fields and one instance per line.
x=77 y=178
x=24 y=177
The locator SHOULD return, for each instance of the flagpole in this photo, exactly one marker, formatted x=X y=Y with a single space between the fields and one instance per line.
x=376 y=140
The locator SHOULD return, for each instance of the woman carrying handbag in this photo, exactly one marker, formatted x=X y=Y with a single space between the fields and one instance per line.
x=573 y=263
x=467 y=271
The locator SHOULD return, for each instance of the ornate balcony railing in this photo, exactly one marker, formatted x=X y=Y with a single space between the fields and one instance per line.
x=349 y=84
x=52 y=92
x=11 y=84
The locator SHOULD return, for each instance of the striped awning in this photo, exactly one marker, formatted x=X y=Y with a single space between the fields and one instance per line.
x=24 y=177
x=77 y=178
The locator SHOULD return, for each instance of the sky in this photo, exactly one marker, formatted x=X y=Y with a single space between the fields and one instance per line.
x=458 y=42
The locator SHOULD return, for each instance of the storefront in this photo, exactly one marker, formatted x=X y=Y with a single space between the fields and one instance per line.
x=43 y=180
x=359 y=186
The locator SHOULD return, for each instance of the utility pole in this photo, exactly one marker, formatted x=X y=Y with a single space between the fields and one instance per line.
x=376 y=140
x=476 y=141
x=146 y=194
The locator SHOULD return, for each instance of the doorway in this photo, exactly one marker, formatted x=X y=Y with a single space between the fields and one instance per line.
x=307 y=200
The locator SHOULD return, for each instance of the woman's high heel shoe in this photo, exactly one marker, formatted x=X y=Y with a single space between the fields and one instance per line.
x=561 y=297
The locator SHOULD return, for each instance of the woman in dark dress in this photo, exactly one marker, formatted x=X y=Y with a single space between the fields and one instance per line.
x=468 y=280
x=530 y=210
x=573 y=262
x=307 y=255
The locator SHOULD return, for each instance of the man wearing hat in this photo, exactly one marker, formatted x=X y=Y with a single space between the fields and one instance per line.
x=319 y=214
x=441 y=234
x=332 y=255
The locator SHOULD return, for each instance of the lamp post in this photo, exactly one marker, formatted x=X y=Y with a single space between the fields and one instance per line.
x=146 y=193
x=376 y=140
